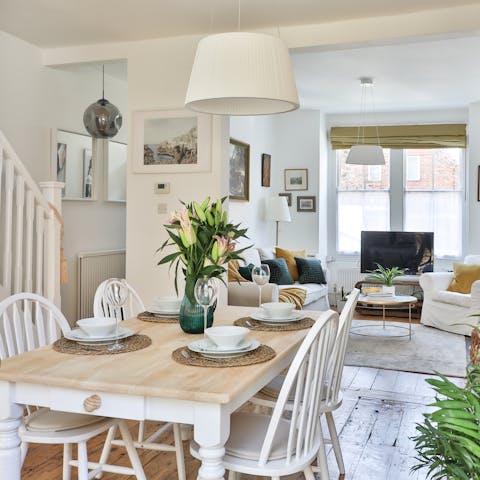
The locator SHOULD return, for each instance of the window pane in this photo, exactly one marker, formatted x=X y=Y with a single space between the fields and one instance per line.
x=358 y=177
x=359 y=211
x=438 y=212
x=413 y=168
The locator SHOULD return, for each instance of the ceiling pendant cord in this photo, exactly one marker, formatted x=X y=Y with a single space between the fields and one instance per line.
x=103 y=81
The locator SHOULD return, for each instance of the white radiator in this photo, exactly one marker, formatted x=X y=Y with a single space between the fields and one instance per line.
x=347 y=278
x=93 y=268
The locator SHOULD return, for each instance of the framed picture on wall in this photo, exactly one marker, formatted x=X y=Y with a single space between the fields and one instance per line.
x=306 y=204
x=288 y=196
x=87 y=173
x=266 y=166
x=173 y=141
x=296 y=179
x=239 y=162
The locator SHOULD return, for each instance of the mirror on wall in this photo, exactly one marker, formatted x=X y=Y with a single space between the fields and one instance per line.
x=74 y=164
x=115 y=155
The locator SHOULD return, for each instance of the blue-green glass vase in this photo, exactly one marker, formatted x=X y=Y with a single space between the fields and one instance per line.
x=191 y=316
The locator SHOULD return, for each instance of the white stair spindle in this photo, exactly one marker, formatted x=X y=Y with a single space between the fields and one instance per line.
x=28 y=238
x=39 y=233
x=7 y=233
x=19 y=219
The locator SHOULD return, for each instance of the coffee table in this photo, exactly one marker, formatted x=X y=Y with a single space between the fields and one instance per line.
x=386 y=303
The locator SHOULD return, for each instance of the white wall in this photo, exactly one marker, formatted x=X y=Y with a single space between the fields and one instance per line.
x=473 y=178
x=34 y=99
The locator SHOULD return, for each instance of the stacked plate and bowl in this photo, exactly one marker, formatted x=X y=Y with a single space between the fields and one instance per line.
x=278 y=313
x=165 y=307
x=97 y=331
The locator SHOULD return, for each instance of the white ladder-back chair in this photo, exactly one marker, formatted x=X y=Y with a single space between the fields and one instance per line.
x=29 y=321
x=101 y=308
x=274 y=445
x=332 y=397
x=133 y=306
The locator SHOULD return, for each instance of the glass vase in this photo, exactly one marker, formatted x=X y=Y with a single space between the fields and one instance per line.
x=191 y=316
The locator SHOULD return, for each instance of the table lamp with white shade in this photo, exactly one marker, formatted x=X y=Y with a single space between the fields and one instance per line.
x=277 y=210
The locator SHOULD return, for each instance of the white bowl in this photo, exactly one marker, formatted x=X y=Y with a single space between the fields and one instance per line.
x=167 y=303
x=227 y=336
x=278 y=309
x=97 y=326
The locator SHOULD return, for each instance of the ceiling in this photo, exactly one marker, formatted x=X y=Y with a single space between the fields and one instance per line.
x=56 y=23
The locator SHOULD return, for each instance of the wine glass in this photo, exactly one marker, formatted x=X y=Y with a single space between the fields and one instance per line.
x=205 y=294
x=261 y=276
x=116 y=296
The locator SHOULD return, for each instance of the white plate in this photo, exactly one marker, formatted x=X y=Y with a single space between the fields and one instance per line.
x=81 y=337
x=160 y=311
x=208 y=349
x=294 y=317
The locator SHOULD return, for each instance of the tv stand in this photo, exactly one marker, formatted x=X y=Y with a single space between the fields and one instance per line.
x=406 y=285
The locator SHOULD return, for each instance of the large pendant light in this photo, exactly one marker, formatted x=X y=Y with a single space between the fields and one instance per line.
x=241 y=73
x=102 y=119
x=360 y=153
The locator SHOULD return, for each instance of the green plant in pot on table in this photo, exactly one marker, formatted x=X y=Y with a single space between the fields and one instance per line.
x=385 y=276
x=204 y=241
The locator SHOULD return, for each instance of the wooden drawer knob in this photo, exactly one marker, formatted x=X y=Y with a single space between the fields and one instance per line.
x=92 y=403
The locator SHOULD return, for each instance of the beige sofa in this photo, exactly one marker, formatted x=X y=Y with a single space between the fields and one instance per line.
x=447 y=310
x=246 y=293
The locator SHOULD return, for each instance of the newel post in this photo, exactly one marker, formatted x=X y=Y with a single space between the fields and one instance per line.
x=52 y=192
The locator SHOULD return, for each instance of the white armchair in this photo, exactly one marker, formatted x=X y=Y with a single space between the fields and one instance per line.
x=446 y=310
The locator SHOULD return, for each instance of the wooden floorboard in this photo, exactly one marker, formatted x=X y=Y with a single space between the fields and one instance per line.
x=377 y=417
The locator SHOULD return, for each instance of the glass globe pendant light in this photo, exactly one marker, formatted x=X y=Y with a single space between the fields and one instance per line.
x=102 y=119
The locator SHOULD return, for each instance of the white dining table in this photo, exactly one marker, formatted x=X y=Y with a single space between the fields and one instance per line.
x=142 y=385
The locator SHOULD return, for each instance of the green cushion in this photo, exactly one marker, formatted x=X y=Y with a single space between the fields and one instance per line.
x=310 y=270
x=246 y=272
x=279 y=272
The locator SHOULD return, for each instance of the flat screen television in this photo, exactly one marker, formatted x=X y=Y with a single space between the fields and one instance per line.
x=412 y=251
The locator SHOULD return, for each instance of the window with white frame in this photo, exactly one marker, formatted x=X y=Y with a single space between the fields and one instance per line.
x=417 y=190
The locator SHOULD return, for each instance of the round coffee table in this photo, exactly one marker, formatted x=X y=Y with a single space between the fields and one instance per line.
x=387 y=303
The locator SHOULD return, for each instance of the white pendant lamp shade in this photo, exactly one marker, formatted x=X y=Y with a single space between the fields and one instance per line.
x=365 y=155
x=242 y=73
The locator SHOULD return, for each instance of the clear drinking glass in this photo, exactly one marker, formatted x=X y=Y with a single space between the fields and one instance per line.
x=261 y=276
x=205 y=294
x=116 y=296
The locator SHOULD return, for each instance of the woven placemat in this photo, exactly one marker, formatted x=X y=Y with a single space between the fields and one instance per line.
x=262 y=354
x=151 y=317
x=283 y=327
x=133 y=343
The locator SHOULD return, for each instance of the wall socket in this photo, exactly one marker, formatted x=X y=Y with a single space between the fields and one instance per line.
x=161 y=208
x=161 y=187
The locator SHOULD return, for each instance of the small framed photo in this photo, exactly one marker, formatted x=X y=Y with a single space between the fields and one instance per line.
x=266 y=165
x=239 y=170
x=174 y=141
x=288 y=196
x=296 y=179
x=306 y=204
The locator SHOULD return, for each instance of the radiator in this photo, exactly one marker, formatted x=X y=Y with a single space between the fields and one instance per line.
x=93 y=268
x=347 y=278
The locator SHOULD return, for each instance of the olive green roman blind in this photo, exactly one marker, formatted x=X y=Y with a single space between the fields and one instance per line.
x=401 y=136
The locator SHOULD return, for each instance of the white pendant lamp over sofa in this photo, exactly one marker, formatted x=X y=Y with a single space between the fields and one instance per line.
x=241 y=73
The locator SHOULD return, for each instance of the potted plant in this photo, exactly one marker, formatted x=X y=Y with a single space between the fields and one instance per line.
x=204 y=241
x=385 y=276
x=448 y=441
x=342 y=301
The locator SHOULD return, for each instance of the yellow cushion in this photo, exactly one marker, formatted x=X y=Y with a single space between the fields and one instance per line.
x=233 y=274
x=289 y=256
x=464 y=276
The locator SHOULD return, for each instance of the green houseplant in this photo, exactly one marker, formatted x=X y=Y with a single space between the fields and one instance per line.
x=448 y=441
x=204 y=242
x=384 y=275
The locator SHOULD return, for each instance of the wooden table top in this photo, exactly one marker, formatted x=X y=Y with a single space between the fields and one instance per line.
x=152 y=371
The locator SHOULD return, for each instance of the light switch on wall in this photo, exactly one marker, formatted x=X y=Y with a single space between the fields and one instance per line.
x=161 y=187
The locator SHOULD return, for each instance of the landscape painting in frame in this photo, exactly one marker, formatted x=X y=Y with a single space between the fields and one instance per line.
x=168 y=142
x=239 y=170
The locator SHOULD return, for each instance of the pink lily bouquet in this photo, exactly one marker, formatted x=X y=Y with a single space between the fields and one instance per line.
x=204 y=240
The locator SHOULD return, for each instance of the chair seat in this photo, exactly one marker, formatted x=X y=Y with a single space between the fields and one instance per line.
x=46 y=420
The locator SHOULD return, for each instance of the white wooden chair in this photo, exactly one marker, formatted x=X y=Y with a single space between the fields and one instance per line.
x=133 y=306
x=274 y=445
x=332 y=396
x=29 y=321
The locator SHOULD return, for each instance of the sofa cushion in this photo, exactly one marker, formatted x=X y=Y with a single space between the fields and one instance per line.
x=289 y=256
x=266 y=253
x=453 y=298
x=250 y=255
x=279 y=273
x=464 y=276
x=246 y=272
x=314 y=291
x=310 y=270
